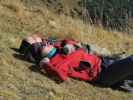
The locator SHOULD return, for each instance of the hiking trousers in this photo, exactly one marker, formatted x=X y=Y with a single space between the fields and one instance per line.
x=116 y=72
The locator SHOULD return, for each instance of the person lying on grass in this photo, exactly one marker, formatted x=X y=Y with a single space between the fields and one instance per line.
x=66 y=61
x=31 y=45
x=81 y=65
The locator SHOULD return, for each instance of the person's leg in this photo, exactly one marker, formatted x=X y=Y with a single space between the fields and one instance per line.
x=116 y=72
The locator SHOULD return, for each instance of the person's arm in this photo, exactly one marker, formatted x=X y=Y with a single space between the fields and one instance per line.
x=46 y=65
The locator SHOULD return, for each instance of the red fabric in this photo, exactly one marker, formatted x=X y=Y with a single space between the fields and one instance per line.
x=64 y=66
x=61 y=43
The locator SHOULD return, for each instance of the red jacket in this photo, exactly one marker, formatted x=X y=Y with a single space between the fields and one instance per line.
x=64 y=66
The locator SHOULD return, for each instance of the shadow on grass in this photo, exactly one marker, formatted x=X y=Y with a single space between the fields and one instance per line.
x=21 y=57
x=18 y=55
x=35 y=67
x=15 y=49
x=116 y=87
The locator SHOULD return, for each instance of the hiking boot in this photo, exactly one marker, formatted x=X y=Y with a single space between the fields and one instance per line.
x=127 y=86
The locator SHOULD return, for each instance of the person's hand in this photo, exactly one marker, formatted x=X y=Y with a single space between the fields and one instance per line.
x=44 y=62
x=30 y=40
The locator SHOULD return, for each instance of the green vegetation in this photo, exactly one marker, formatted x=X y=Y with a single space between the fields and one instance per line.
x=115 y=14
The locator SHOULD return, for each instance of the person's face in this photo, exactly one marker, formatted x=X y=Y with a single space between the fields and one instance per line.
x=46 y=49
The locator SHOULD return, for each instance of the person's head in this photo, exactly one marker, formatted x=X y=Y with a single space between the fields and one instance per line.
x=48 y=51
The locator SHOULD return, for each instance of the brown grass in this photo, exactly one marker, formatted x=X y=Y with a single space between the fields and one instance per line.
x=19 y=82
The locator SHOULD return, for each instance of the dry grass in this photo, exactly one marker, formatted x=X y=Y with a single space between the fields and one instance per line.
x=19 y=82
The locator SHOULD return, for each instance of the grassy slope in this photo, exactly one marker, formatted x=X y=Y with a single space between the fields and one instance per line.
x=19 y=82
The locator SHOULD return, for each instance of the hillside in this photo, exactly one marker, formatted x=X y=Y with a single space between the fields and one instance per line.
x=20 y=80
